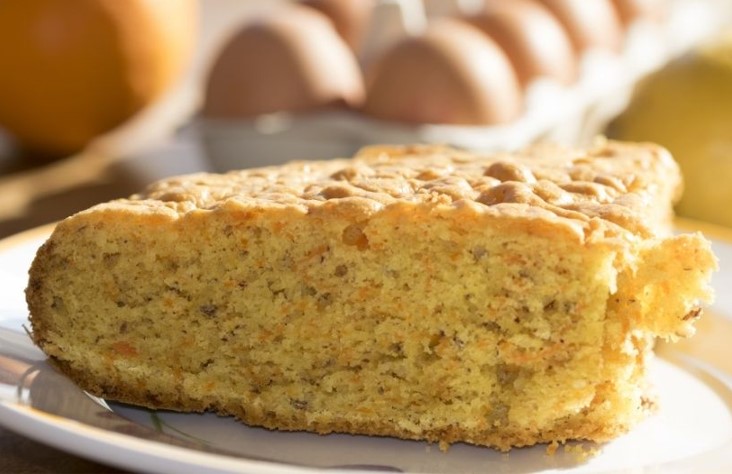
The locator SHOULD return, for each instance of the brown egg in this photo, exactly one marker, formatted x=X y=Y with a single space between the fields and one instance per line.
x=290 y=60
x=534 y=40
x=590 y=23
x=452 y=74
x=631 y=10
x=350 y=17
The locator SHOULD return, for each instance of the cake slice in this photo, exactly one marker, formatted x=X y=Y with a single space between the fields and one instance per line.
x=418 y=292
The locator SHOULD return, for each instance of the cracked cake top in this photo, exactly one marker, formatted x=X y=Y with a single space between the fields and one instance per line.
x=617 y=187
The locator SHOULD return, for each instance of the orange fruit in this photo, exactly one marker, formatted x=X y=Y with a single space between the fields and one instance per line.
x=72 y=71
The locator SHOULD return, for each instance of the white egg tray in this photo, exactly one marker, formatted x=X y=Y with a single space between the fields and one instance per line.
x=571 y=115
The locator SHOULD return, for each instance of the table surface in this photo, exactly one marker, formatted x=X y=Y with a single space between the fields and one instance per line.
x=19 y=454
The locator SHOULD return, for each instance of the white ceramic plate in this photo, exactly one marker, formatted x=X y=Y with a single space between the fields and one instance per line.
x=692 y=431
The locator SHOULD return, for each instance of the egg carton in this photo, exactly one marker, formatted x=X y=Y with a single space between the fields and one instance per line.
x=571 y=115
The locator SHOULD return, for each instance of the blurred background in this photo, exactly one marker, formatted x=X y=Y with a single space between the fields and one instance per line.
x=98 y=98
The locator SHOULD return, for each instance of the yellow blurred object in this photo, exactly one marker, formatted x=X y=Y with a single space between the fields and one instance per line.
x=72 y=70
x=687 y=107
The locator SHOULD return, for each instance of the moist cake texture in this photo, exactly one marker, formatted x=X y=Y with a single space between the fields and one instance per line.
x=418 y=292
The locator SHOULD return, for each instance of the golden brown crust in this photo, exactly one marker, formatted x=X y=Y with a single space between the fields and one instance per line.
x=612 y=185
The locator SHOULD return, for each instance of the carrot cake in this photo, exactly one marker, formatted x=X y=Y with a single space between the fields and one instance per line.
x=418 y=292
